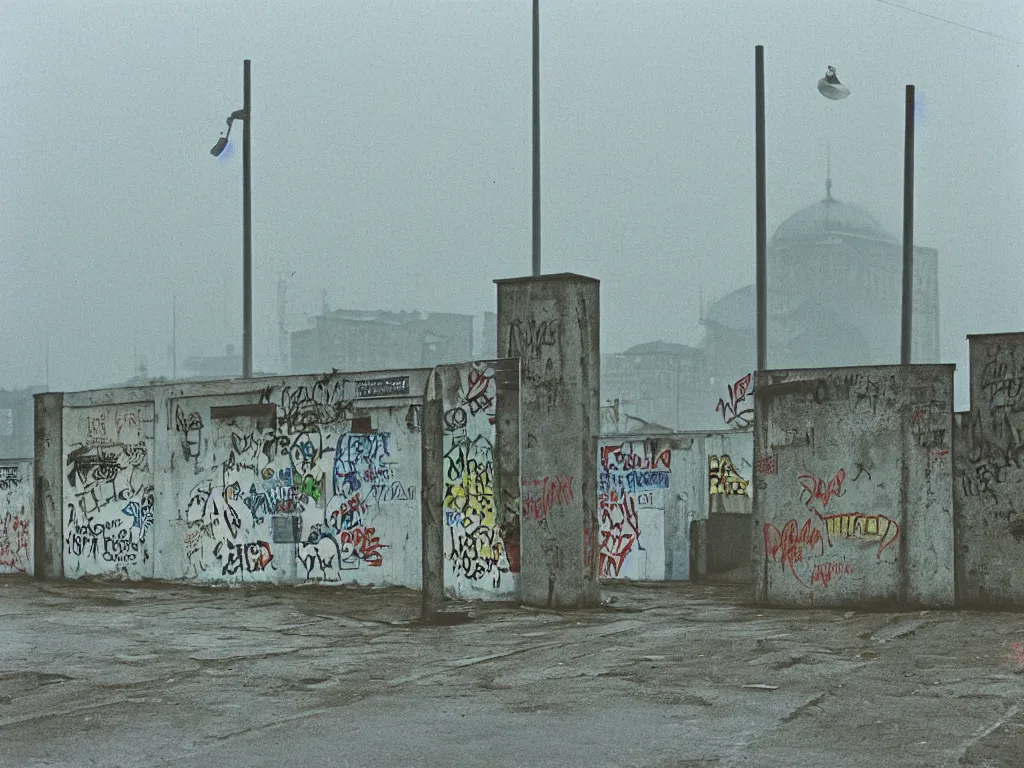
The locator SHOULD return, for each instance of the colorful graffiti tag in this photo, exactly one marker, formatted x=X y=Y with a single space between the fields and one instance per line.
x=298 y=476
x=15 y=522
x=724 y=478
x=478 y=549
x=629 y=475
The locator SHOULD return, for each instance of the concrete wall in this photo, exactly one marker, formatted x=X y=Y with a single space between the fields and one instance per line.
x=552 y=324
x=478 y=541
x=853 y=499
x=988 y=494
x=284 y=480
x=16 y=517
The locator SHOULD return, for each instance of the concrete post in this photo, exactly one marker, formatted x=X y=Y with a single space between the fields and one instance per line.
x=552 y=324
x=431 y=501
x=507 y=480
x=49 y=491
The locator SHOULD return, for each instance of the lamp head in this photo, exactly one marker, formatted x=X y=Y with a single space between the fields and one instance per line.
x=222 y=142
x=830 y=87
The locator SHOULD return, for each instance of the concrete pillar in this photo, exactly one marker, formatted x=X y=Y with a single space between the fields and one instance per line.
x=552 y=324
x=507 y=479
x=431 y=501
x=49 y=491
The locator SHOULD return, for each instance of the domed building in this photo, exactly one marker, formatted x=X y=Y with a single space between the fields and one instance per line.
x=835 y=282
x=838 y=255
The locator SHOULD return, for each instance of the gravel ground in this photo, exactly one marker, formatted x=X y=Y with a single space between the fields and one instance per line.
x=676 y=675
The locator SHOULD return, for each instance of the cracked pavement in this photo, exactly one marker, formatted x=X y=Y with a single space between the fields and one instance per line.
x=122 y=675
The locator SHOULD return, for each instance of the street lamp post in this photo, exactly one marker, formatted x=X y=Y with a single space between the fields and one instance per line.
x=906 y=320
x=244 y=114
x=761 y=275
x=536 y=138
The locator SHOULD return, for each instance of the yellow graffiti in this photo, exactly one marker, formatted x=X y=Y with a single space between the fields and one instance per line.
x=877 y=528
x=471 y=499
x=723 y=477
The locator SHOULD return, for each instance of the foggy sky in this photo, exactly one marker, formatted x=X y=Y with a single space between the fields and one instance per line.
x=391 y=161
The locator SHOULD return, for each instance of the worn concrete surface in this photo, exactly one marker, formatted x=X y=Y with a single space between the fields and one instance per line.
x=117 y=676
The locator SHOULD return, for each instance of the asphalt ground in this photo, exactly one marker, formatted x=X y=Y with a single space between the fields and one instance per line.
x=667 y=675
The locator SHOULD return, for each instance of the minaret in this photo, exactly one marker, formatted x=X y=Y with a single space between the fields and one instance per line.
x=828 y=187
x=828 y=173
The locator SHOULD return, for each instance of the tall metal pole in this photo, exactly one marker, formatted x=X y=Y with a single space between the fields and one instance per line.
x=536 y=138
x=246 y=230
x=762 y=220
x=906 y=327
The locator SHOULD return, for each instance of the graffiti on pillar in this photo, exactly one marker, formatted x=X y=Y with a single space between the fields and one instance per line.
x=737 y=411
x=542 y=496
x=822 y=548
x=631 y=474
x=819 y=490
x=477 y=548
x=530 y=339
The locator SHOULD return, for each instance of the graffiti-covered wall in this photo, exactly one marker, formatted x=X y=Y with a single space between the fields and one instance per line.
x=481 y=546
x=853 y=503
x=108 y=490
x=652 y=487
x=288 y=480
x=16 y=517
x=988 y=492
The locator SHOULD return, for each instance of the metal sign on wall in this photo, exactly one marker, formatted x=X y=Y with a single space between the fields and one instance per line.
x=286 y=529
x=388 y=387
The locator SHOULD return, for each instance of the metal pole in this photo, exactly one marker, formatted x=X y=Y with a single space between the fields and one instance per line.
x=762 y=222
x=174 y=337
x=246 y=230
x=906 y=327
x=536 y=138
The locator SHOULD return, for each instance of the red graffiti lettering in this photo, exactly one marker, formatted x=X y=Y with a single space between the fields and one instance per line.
x=786 y=547
x=539 y=497
x=365 y=544
x=640 y=455
x=818 y=489
x=614 y=548
x=823 y=573
x=588 y=548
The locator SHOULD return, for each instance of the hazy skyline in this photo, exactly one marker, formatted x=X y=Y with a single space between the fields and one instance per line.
x=391 y=161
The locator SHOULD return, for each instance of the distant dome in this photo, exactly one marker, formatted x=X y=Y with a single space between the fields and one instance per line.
x=830 y=217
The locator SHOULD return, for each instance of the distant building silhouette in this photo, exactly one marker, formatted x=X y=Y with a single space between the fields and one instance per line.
x=356 y=340
x=834 y=299
x=226 y=366
x=17 y=417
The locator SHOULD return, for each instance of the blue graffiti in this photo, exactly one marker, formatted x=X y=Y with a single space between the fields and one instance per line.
x=141 y=514
x=633 y=480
